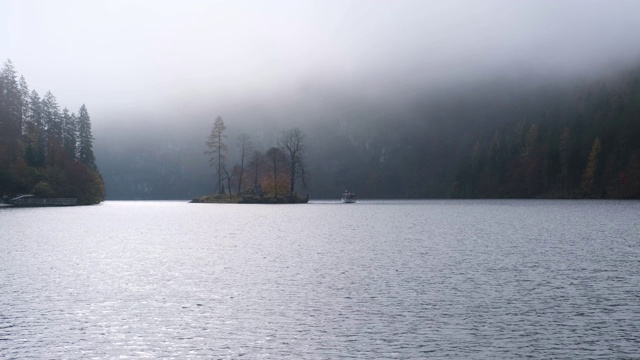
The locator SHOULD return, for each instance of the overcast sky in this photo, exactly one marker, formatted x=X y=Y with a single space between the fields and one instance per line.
x=159 y=56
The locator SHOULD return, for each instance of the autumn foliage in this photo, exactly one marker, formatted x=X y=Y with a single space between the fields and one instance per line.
x=277 y=187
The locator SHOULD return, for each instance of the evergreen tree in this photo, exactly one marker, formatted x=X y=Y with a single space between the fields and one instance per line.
x=36 y=113
x=47 y=166
x=51 y=117
x=10 y=115
x=70 y=131
x=217 y=149
x=53 y=128
x=34 y=132
x=85 y=138
x=24 y=98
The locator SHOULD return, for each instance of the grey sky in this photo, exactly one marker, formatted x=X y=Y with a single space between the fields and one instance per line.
x=162 y=56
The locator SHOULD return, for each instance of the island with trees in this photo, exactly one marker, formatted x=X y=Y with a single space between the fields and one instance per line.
x=45 y=152
x=272 y=177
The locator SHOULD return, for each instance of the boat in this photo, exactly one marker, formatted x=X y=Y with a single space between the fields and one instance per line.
x=348 y=197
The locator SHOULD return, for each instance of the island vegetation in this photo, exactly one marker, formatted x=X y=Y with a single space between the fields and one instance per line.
x=264 y=178
x=44 y=151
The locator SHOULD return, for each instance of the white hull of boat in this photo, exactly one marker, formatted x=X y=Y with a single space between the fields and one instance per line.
x=348 y=198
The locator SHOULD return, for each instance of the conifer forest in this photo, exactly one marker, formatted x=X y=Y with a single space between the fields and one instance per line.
x=44 y=150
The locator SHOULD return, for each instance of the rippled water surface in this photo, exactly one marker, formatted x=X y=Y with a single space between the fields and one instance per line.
x=415 y=279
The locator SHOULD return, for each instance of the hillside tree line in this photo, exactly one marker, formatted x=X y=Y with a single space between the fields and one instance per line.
x=559 y=139
x=502 y=137
x=44 y=150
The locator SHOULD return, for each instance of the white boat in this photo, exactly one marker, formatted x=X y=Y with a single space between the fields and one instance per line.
x=348 y=198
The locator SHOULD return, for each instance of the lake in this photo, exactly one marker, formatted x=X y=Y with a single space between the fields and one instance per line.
x=324 y=280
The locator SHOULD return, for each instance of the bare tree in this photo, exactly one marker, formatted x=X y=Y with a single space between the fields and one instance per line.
x=217 y=149
x=256 y=167
x=245 y=146
x=229 y=177
x=235 y=174
x=277 y=159
x=291 y=144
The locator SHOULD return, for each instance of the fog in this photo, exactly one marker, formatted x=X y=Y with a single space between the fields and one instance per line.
x=253 y=61
x=364 y=79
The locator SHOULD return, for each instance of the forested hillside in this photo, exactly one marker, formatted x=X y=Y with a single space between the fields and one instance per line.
x=44 y=151
x=586 y=146
x=573 y=139
x=521 y=137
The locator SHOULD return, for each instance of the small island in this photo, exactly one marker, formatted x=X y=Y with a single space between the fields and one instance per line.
x=258 y=178
x=251 y=199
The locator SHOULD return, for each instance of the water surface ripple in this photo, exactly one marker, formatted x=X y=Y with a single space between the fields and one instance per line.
x=377 y=279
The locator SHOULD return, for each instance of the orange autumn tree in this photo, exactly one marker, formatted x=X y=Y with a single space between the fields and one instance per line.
x=277 y=180
x=279 y=187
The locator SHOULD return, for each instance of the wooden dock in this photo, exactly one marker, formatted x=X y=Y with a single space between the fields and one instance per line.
x=31 y=201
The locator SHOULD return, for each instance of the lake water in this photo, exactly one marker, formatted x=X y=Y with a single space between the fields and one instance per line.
x=376 y=279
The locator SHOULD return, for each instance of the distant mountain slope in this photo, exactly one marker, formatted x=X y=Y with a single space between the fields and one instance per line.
x=502 y=140
x=507 y=138
x=587 y=145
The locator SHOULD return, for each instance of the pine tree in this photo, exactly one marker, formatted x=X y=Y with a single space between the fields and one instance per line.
x=85 y=138
x=53 y=128
x=10 y=115
x=35 y=110
x=34 y=132
x=217 y=149
x=69 y=136
x=24 y=98
x=51 y=116
x=46 y=167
